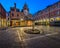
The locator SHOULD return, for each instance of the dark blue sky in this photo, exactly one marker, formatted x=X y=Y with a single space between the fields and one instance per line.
x=34 y=5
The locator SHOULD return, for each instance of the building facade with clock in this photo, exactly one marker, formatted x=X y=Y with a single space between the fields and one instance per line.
x=20 y=18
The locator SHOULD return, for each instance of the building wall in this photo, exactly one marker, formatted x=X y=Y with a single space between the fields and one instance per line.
x=2 y=16
x=15 y=14
x=49 y=14
x=7 y=19
x=18 y=18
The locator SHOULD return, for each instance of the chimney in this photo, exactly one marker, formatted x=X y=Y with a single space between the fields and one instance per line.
x=15 y=5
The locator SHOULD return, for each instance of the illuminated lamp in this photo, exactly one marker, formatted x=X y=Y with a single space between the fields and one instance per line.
x=51 y=19
x=57 y=18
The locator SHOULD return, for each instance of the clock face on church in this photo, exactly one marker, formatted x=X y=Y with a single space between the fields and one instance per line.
x=25 y=12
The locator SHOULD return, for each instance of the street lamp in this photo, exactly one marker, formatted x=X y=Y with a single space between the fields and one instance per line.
x=21 y=21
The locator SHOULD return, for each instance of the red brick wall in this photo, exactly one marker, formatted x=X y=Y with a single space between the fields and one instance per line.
x=2 y=11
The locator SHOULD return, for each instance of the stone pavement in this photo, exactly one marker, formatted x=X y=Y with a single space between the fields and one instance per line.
x=10 y=39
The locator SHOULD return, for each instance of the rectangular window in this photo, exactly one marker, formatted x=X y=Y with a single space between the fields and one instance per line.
x=46 y=10
x=17 y=15
x=51 y=8
x=57 y=13
x=58 y=5
x=12 y=14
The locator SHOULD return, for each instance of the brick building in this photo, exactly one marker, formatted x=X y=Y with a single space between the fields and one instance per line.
x=50 y=14
x=2 y=16
x=19 y=18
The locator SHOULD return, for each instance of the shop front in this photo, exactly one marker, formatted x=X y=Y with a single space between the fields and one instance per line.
x=14 y=23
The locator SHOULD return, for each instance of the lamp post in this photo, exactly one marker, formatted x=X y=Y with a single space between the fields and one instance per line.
x=21 y=23
x=33 y=25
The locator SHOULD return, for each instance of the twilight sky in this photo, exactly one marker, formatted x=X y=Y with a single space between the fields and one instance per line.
x=34 y=5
